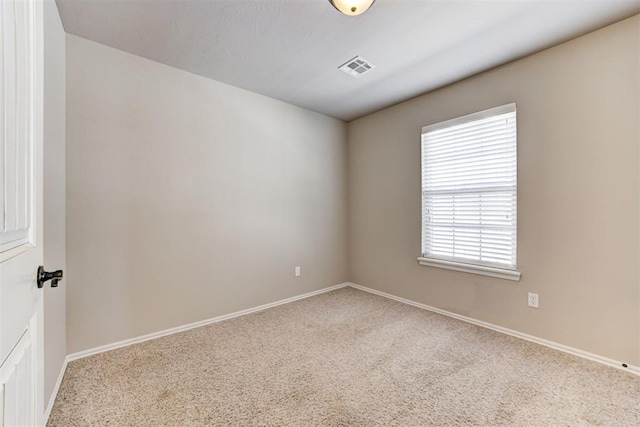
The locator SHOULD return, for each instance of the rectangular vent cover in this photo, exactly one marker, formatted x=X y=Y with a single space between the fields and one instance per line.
x=357 y=66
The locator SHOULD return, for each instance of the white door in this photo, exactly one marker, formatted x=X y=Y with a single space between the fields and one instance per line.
x=21 y=360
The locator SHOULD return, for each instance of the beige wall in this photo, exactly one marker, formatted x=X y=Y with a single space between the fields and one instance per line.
x=578 y=195
x=55 y=338
x=189 y=198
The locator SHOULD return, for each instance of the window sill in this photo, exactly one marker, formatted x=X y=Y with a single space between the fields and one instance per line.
x=500 y=273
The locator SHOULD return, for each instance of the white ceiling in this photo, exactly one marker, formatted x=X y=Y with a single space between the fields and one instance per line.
x=291 y=49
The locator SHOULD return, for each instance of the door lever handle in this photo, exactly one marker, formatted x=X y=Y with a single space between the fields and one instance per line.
x=43 y=276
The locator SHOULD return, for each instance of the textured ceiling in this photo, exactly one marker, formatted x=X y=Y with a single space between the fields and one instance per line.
x=290 y=49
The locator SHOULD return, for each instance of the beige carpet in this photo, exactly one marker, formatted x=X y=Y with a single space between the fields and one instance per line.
x=339 y=359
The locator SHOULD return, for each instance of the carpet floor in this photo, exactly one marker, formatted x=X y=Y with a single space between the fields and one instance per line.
x=343 y=358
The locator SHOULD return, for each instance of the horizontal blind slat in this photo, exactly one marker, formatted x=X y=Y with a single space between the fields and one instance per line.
x=477 y=124
x=495 y=137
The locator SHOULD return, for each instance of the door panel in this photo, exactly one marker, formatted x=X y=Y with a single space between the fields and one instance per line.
x=17 y=89
x=23 y=102
x=17 y=384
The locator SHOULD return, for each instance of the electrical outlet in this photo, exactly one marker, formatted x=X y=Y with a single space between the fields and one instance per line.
x=297 y=271
x=533 y=300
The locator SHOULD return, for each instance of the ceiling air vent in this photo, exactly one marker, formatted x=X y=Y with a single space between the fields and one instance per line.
x=357 y=66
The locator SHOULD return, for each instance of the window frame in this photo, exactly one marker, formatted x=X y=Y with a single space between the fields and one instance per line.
x=464 y=264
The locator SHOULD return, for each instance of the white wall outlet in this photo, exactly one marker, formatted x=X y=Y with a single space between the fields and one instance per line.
x=533 y=300
x=297 y=271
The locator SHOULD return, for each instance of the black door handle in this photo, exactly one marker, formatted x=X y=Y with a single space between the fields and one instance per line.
x=43 y=276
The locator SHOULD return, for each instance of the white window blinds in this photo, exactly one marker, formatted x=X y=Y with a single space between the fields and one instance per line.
x=469 y=189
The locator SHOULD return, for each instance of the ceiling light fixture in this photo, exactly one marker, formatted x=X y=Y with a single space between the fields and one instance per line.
x=352 y=7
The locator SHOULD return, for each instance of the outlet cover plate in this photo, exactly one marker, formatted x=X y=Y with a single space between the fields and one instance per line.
x=533 y=300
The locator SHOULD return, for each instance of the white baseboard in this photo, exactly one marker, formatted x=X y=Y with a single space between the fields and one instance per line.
x=147 y=337
x=554 y=345
x=56 y=388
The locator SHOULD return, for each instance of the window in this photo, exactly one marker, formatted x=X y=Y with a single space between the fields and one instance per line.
x=469 y=193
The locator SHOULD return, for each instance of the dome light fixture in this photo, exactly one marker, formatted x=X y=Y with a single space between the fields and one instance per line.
x=352 y=7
